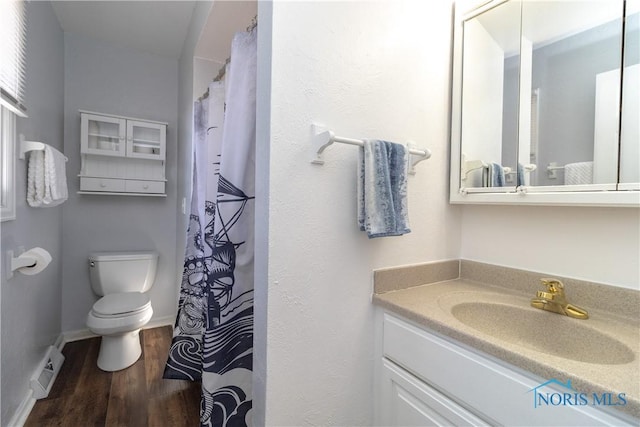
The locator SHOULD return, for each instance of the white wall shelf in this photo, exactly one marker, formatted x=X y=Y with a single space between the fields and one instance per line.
x=122 y=155
x=108 y=193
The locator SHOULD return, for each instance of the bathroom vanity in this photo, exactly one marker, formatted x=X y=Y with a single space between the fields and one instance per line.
x=463 y=352
x=122 y=155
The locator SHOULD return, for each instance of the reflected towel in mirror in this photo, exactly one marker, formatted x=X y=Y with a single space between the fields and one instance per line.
x=578 y=173
x=496 y=175
x=520 y=176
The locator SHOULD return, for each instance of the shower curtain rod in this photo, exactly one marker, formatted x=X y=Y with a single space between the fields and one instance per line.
x=221 y=72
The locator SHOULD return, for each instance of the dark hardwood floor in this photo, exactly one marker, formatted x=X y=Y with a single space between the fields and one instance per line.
x=83 y=395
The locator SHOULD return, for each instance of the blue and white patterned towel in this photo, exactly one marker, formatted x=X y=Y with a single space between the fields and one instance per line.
x=496 y=174
x=382 y=189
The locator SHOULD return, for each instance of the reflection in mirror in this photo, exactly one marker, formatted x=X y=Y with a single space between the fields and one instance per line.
x=537 y=91
x=572 y=93
x=491 y=63
x=629 y=132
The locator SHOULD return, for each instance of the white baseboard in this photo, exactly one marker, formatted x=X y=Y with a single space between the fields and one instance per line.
x=59 y=343
x=26 y=405
x=23 y=411
x=83 y=334
x=77 y=335
x=161 y=321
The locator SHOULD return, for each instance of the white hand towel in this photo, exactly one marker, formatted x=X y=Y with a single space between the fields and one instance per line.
x=578 y=173
x=55 y=177
x=46 y=178
x=35 y=179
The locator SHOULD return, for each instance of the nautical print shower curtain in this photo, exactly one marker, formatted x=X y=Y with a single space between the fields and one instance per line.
x=213 y=333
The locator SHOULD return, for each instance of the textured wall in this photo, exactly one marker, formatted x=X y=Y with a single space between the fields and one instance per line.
x=596 y=244
x=31 y=305
x=107 y=78
x=364 y=69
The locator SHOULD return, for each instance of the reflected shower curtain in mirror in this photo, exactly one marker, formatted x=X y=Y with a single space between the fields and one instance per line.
x=213 y=333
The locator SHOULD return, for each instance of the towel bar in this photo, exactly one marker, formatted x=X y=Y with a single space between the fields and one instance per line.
x=323 y=138
x=554 y=168
x=471 y=165
x=28 y=146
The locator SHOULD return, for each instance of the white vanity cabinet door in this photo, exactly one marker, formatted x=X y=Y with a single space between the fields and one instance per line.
x=146 y=140
x=102 y=135
x=407 y=401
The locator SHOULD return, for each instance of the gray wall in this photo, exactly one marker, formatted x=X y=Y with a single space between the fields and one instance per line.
x=510 y=111
x=31 y=305
x=106 y=78
x=565 y=72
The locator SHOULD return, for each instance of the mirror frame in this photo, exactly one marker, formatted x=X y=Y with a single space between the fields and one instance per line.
x=464 y=10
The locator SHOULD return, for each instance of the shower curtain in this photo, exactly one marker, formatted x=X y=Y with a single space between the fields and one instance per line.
x=213 y=333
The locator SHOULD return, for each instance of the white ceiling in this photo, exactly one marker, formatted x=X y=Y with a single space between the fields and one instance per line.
x=546 y=21
x=152 y=26
x=225 y=19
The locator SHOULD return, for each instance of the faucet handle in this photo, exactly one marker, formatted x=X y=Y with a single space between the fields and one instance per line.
x=554 y=286
x=545 y=295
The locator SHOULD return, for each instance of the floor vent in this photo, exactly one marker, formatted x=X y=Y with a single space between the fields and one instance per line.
x=47 y=372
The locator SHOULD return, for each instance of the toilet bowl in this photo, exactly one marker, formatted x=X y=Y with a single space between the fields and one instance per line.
x=118 y=318
x=121 y=279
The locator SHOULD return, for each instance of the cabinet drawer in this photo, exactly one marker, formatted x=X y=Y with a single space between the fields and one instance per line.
x=133 y=186
x=102 y=184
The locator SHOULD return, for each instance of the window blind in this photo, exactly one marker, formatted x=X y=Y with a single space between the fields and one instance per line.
x=12 y=55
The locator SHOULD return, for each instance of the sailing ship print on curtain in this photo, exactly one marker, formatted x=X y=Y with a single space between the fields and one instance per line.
x=213 y=333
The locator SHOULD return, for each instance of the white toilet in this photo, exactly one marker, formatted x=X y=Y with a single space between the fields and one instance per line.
x=120 y=278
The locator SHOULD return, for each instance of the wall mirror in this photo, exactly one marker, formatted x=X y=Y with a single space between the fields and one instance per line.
x=545 y=102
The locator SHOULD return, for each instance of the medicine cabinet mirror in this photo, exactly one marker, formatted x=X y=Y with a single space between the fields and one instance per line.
x=541 y=112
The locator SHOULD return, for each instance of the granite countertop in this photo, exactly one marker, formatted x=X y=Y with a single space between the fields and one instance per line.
x=430 y=305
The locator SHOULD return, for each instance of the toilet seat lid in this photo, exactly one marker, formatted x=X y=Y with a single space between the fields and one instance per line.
x=121 y=303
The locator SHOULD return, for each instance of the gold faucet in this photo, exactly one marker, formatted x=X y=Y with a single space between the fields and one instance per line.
x=554 y=300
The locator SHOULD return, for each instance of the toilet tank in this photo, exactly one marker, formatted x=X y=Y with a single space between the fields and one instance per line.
x=111 y=272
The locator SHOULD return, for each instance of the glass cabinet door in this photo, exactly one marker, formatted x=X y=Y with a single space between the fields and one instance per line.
x=102 y=135
x=145 y=140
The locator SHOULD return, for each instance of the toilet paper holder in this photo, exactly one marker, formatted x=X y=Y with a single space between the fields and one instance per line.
x=30 y=262
x=21 y=261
